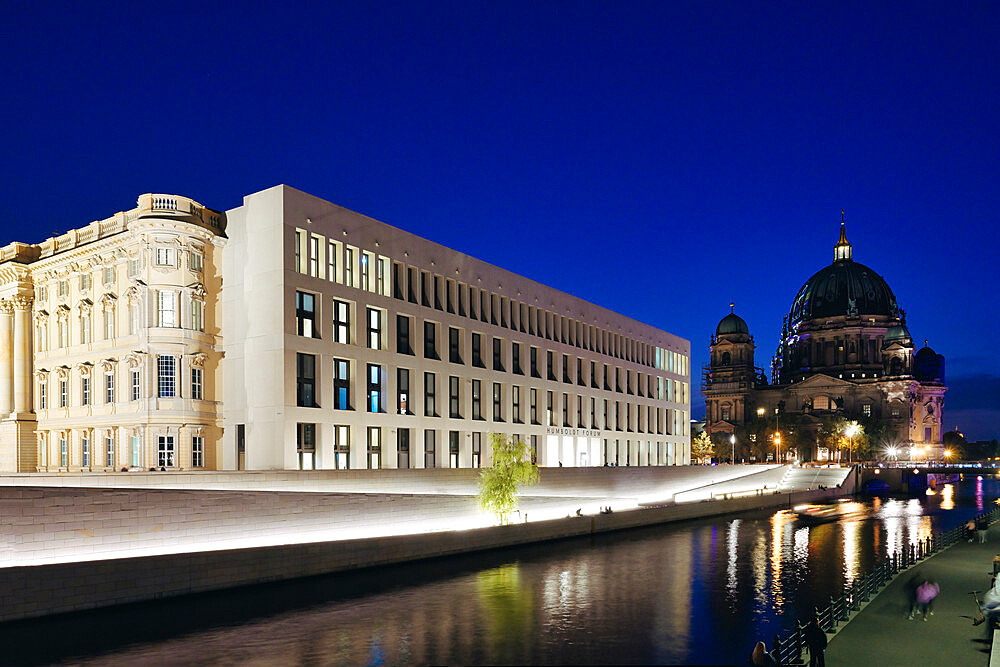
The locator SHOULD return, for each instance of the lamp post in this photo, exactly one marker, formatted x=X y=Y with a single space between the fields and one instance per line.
x=851 y=429
x=777 y=447
x=732 y=441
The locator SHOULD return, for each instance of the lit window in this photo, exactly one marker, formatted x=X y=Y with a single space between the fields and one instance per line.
x=167 y=308
x=85 y=441
x=374 y=448
x=341 y=322
x=866 y=409
x=375 y=388
x=341 y=384
x=305 y=446
x=305 y=315
x=374 y=328
x=342 y=447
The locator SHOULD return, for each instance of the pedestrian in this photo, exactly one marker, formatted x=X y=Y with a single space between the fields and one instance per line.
x=760 y=656
x=981 y=527
x=816 y=641
x=970 y=528
x=926 y=592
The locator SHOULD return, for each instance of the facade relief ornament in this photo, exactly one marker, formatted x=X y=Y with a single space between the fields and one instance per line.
x=107 y=365
x=62 y=373
x=22 y=302
x=134 y=359
x=6 y=306
x=198 y=359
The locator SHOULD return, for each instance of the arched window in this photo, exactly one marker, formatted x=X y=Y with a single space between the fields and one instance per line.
x=726 y=359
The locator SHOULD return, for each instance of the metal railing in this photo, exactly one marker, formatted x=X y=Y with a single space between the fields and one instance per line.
x=788 y=650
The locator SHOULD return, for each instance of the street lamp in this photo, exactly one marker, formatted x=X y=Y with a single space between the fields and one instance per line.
x=777 y=447
x=732 y=441
x=851 y=429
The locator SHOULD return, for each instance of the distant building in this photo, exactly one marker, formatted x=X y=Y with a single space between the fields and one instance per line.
x=844 y=350
x=291 y=333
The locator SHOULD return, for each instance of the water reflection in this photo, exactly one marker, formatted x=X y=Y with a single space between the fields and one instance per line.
x=696 y=592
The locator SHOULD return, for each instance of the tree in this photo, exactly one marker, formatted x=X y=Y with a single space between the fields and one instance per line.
x=512 y=468
x=702 y=447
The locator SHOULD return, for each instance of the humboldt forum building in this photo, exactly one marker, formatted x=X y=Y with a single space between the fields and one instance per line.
x=293 y=334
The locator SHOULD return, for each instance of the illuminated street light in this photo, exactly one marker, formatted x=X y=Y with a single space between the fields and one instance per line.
x=850 y=430
x=892 y=452
x=760 y=412
x=732 y=441
x=947 y=454
x=777 y=447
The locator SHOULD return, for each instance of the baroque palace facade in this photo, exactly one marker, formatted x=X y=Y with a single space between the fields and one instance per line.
x=291 y=333
x=845 y=351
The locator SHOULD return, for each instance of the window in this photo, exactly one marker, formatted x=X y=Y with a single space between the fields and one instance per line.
x=341 y=322
x=365 y=271
x=579 y=373
x=454 y=403
x=430 y=383
x=62 y=330
x=167 y=308
x=516 y=399
x=305 y=380
x=565 y=369
x=164 y=256
x=63 y=288
x=477 y=351
x=403 y=335
x=165 y=451
x=534 y=406
x=331 y=262
x=43 y=293
x=349 y=267
x=85 y=390
x=197 y=450
x=403 y=448
x=166 y=369
x=196 y=261
x=196 y=383
x=314 y=256
x=109 y=323
x=453 y=448
x=63 y=451
x=375 y=388
x=374 y=448
x=429 y=449
x=515 y=359
x=135 y=384
x=866 y=409
x=497 y=354
x=85 y=441
x=534 y=362
x=477 y=448
x=133 y=318
x=305 y=315
x=454 y=345
x=341 y=384
x=382 y=270
x=403 y=391
x=550 y=418
x=85 y=328
x=305 y=446
x=342 y=447
x=497 y=402
x=42 y=399
x=726 y=413
x=42 y=336
x=477 y=403
x=430 y=340
x=374 y=329
x=133 y=267
x=109 y=449
x=565 y=407
x=63 y=394
x=550 y=365
x=136 y=445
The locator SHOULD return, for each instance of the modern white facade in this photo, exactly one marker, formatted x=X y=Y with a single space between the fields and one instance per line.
x=291 y=333
x=350 y=343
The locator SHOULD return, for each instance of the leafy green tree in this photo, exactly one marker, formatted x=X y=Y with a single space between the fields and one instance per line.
x=702 y=447
x=499 y=484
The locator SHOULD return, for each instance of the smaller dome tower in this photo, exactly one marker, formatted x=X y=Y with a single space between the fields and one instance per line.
x=730 y=375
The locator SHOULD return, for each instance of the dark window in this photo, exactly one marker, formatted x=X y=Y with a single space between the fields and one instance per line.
x=516 y=404
x=461 y=301
x=403 y=448
x=454 y=345
x=305 y=315
x=579 y=373
x=477 y=447
x=403 y=335
x=425 y=289
x=534 y=406
x=411 y=285
x=550 y=365
x=305 y=374
x=430 y=393
x=515 y=359
x=477 y=351
x=305 y=446
x=430 y=340
x=375 y=388
x=593 y=375
x=453 y=448
x=397 y=282
x=450 y=305
x=403 y=391
x=565 y=369
x=453 y=398
x=429 y=453
x=341 y=384
x=565 y=407
x=437 y=292
x=497 y=402
x=534 y=363
x=477 y=412
x=497 y=354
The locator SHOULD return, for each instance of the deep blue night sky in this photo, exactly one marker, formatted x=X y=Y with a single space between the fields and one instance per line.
x=659 y=159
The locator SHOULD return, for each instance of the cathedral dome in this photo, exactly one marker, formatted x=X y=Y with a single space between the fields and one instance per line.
x=928 y=365
x=843 y=288
x=732 y=324
x=897 y=332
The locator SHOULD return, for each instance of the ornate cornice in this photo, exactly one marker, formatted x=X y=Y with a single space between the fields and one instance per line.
x=22 y=302
x=6 y=306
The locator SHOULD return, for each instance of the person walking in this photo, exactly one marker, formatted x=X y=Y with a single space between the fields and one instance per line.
x=760 y=656
x=816 y=641
x=926 y=593
x=981 y=526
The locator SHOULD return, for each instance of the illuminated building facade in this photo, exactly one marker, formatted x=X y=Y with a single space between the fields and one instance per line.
x=845 y=350
x=110 y=342
x=395 y=352
x=290 y=333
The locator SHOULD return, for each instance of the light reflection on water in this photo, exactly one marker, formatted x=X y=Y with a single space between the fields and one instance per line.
x=696 y=592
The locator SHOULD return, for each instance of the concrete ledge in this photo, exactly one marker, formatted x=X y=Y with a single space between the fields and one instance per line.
x=32 y=591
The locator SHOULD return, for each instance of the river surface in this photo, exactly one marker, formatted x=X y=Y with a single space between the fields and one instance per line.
x=699 y=592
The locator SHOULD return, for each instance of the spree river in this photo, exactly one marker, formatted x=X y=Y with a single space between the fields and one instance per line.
x=695 y=592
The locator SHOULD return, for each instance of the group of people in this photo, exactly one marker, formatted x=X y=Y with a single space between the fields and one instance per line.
x=976 y=527
x=922 y=598
x=814 y=638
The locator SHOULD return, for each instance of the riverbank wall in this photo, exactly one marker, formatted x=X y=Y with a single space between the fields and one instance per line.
x=28 y=591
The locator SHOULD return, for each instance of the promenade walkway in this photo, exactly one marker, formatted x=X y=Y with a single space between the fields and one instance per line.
x=880 y=634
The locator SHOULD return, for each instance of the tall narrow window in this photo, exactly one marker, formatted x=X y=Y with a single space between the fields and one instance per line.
x=497 y=402
x=109 y=322
x=497 y=354
x=403 y=335
x=109 y=387
x=165 y=451
x=63 y=451
x=85 y=442
x=314 y=256
x=374 y=448
x=305 y=314
x=550 y=365
x=63 y=394
x=109 y=449
x=341 y=384
x=550 y=418
x=477 y=448
x=534 y=363
x=349 y=267
x=534 y=406
x=381 y=274
x=197 y=451
x=565 y=407
x=453 y=448
x=429 y=449
x=167 y=308
x=515 y=359
x=341 y=322
x=477 y=403
x=403 y=391
x=477 y=351
x=305 y=446
x=430 y=394
x=331 y=262
x=167 y=374
x=136 y=447
x=42 y=398
x=374 y=329
x=342 y=447
x=196 y=384
x=454 y=345
x=454 y=410
x=133 y=318
x=403 y=448
x=375 y=388
x=305 y=380
x=516 y=404
x=135 y=384
x=85 y=328
x=430 y=340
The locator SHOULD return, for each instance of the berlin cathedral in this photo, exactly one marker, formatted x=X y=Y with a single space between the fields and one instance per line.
x=845 y=351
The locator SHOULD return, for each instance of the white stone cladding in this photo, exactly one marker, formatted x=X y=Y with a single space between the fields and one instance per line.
x=281 y=242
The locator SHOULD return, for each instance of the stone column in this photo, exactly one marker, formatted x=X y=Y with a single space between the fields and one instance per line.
x=6 y=359
x=22 y=354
